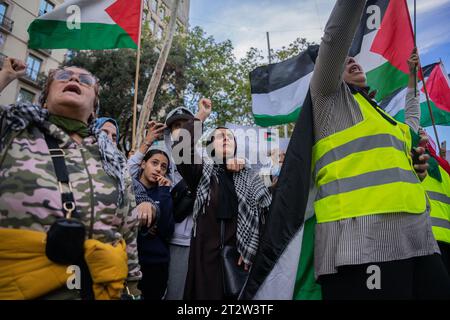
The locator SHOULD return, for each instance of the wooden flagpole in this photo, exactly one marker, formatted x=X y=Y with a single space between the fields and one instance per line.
x=136 y=80
x=149 y=98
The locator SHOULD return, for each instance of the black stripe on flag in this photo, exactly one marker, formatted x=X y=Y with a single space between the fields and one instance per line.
x=367 y=20
x=269 y=78
x=426 y=73
x=287 y=211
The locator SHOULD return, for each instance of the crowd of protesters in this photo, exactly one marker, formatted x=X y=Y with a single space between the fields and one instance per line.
x=166 y=222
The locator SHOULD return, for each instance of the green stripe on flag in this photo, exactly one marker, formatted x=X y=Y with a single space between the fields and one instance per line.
x=53 y=34
x=306 y=287
x=264 y=120
x=441 y=117
x=386 y=79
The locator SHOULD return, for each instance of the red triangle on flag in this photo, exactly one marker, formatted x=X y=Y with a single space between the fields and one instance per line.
x=395 y=39
x=127 y=14
x=438 y=86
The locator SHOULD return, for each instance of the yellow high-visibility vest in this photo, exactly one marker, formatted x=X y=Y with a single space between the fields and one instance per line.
x=439 y=195
x=366 y=169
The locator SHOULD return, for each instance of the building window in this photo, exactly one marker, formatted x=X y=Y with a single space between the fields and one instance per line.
x=152 y=25
x=25 y=96
x=160 y=33
x=33 y=67
x=162 y=12
x=45 y=7
x=154 y=6
x=3 y=9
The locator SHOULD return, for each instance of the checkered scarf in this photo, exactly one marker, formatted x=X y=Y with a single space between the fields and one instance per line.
x=20 y=116
x=253 y=198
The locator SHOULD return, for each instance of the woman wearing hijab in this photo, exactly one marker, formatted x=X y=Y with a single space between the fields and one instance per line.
x=228 y=194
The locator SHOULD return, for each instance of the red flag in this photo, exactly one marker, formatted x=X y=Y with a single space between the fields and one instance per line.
x=127 y=14
x=395 y=39
x=438 y=86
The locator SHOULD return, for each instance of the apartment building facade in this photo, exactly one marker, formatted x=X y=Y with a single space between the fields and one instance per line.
x=15 y=17
x=157 y=13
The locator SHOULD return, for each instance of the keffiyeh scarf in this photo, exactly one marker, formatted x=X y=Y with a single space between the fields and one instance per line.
x=253 y=198
x=20 y=116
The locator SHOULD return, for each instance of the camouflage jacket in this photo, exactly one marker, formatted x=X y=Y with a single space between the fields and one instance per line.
x=30 y=197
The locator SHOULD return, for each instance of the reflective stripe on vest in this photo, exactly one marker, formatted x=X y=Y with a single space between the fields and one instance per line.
x=366 y=169
x=441 y=223
x=439 y=194
x=438 y=197
x=365 y=180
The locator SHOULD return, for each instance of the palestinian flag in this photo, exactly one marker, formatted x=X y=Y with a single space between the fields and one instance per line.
x=438 y=86
x=282 y=267
x=383 y=44
x=278 y=90
x=88 y=24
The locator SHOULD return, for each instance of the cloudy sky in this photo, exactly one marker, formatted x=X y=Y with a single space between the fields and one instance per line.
x=245 y=23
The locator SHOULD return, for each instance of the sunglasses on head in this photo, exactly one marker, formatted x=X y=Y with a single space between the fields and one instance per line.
x=85 y=78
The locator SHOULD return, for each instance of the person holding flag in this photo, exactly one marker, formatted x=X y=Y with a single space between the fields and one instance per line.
x=437 y=186
x=373 y=233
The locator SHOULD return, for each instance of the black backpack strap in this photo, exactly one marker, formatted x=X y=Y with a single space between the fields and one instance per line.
x=62 y=175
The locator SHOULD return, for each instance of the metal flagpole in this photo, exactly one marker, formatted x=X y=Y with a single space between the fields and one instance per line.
x=415 y=46
x=429 y=109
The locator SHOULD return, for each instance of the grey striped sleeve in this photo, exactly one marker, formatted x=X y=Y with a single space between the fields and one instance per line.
x=412 y=110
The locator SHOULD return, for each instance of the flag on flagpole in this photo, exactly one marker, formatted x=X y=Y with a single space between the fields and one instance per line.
x=284 y=266
x=438 y=85
x=383 y=44
x=89 y=25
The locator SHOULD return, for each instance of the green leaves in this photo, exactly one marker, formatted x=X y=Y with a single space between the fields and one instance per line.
x=197 y=66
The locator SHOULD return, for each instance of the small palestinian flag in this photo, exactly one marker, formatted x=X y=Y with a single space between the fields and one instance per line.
x=438 y=86
x=88 y=24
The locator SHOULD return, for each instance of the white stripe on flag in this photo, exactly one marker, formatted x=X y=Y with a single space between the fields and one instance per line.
x=282 y=101
x=367 y=59
x=92 y=11
x=398 y=102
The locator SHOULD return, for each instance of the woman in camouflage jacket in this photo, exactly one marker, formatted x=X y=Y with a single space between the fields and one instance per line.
x=30 y=197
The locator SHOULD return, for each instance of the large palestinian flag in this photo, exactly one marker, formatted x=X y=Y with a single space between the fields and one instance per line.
x=284 y=266
x=438 y=86
x=382 y=45
x=88 y=24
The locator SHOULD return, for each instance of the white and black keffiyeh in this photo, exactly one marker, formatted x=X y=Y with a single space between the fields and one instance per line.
x=19 y=116
x=253 y=198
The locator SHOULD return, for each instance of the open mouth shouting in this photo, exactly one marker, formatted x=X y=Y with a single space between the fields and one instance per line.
x=72 y=88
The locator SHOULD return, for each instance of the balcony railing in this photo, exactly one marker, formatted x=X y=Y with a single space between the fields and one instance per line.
x=6 y=23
